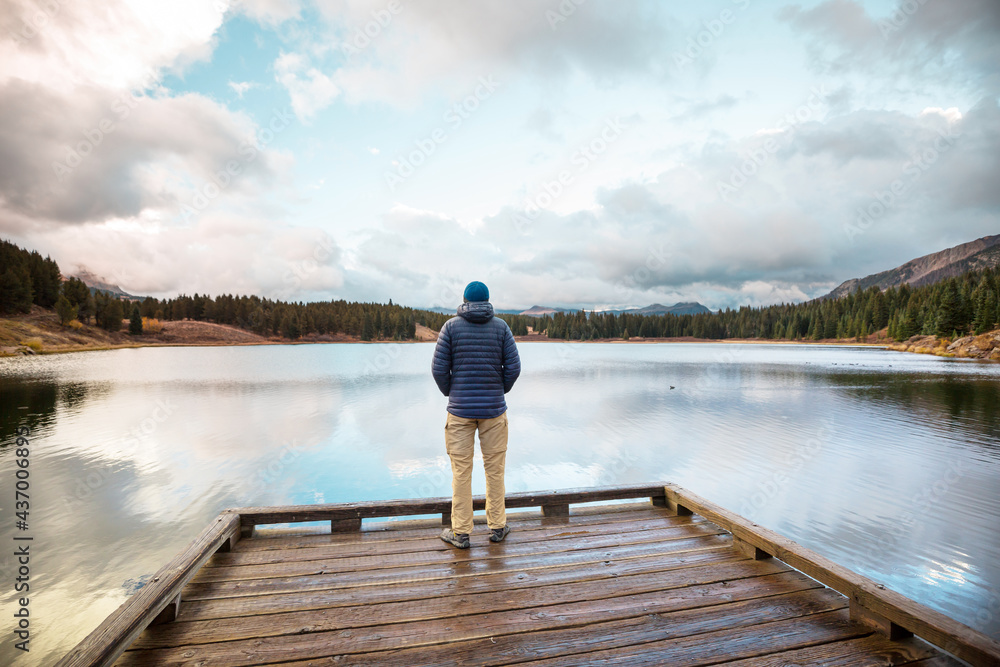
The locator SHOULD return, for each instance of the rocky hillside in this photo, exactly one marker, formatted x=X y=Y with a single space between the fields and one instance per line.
x=980 y=254
x=985 y=346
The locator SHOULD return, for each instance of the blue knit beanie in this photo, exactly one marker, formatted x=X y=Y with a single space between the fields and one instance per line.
x=476 y=291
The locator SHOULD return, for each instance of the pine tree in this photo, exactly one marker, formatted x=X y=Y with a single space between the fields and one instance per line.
x=135 y=321
x=949 y=314
x=992 y=306
x=290 y=327
x=818 y=327
x=985 y=307
x=830 y=327
x=109 y=312
x=78 y=294
x=911 y=324
x=67 y=312
x=367 y=327
x=15 y=291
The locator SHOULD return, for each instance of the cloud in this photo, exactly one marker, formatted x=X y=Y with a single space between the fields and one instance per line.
x=782 y=238
x=64 y=44
x=218 y=253
x=270 y=11
x=399 y=56
x=241 y=87
x=947 y=42
x=92 y=154
x=310 y=90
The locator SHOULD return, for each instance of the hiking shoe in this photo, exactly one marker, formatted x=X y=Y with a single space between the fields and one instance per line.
x=460 y=540
x=497 y=534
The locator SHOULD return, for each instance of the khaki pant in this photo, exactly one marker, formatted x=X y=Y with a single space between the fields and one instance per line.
x=459 y=439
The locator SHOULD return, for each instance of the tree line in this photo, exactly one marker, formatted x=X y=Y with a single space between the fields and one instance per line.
x=292 y=320
x=26 y=279
x=954 y=307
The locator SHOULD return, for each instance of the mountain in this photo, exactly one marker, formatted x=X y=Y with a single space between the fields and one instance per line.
x=452 y=311
x=96 y=283
x=538 y=311
x=684 y=308
x=979 y=254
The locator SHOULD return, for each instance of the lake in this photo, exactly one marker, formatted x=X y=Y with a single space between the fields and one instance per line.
x=885 y=462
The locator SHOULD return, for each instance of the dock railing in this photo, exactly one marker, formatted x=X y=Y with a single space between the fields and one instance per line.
x=871 y=603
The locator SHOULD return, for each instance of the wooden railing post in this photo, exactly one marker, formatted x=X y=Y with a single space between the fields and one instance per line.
x=169 y=613
x=877 y=622
x=345 y=525
x=749 y=550
x=555 y=510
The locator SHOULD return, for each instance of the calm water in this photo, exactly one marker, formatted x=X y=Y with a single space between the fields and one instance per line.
x=885 y=462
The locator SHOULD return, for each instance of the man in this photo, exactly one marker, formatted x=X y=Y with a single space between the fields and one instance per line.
x=475 y=364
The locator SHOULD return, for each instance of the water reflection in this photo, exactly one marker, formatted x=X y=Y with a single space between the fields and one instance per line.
x=887 y=463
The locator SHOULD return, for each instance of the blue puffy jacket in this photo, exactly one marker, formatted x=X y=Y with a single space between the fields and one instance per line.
x=475 y=362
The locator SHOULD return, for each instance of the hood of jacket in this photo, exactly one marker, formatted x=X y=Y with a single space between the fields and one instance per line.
x=476 y=311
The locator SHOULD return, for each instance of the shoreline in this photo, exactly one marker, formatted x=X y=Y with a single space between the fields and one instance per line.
x=39 y=333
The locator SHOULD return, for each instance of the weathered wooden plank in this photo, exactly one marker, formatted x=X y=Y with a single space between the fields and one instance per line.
x=939 y=661
x=504 y=649
x=391 y=576
x=102 y=646
x=431 y=542
x=509 y=547
x=465 y=627
x=205 y=609
x=723 y=645
x=402 y=532
x=359 y=615
x=872 y=651
x=374 y=509
x=957 y=638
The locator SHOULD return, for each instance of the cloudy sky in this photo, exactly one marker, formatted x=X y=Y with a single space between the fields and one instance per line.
x=573 y=153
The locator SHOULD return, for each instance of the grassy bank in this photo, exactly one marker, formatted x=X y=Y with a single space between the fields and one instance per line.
x=39 y=332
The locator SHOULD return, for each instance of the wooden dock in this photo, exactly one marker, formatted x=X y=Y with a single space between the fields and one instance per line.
x=670 y=580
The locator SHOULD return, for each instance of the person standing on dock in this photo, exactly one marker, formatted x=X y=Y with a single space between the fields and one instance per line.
x=475 y=364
